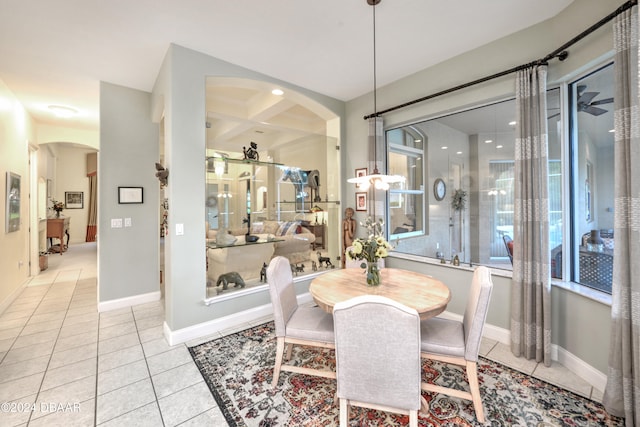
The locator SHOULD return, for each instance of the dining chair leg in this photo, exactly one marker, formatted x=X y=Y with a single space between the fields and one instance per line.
x=289 y=351
x=278 y=364
x=472 y=375
x=413 y=418
x=344 y=413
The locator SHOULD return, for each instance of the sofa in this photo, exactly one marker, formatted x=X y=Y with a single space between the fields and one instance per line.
x=289 y=239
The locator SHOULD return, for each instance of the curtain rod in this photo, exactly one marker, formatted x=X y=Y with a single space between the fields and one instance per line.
x=560 y=53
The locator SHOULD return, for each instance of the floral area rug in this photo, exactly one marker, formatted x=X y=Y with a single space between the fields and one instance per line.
x=238 y=369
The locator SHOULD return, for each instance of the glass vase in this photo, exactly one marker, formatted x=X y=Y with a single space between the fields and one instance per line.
x=373 y=274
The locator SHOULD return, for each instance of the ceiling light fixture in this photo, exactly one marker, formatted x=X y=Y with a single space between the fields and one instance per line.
x=278 y=92
x=378 y=180
x=62 y=111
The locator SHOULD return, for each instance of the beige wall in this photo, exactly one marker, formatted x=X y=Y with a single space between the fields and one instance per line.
x=71 y=175
x=16 y=132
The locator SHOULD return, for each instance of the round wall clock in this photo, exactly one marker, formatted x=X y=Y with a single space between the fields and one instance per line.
x=439 y=189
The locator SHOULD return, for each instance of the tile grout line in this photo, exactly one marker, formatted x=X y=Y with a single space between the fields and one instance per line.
x=146 y=362
x=55 y=341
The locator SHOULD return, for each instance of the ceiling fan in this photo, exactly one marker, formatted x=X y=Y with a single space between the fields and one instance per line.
x=586 y=103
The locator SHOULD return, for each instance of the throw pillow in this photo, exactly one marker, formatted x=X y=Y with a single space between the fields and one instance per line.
x=257 y=228
x=287 y=228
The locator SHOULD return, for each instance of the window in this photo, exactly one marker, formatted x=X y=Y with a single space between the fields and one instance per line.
x=591 y=164
x=473 y=151
x=406 y=199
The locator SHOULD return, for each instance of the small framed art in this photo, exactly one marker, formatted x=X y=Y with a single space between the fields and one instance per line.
x=74 y=199
x=360 y=172
x=129 y=195
x=361 y=201
x=12 y=203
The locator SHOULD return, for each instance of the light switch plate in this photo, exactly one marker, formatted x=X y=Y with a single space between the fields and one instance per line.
x=116 y=222
x=179 y=229
x=127 y=222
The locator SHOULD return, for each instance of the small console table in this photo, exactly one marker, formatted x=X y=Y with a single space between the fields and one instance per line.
x=56 y=229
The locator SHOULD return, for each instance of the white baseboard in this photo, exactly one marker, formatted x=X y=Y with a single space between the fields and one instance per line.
x=558 y=354
x=13 y=295
x=579 y=367
x=115 y=304
x=223 y=323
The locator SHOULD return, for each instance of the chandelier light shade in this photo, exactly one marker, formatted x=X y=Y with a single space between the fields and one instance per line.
x=375 y=179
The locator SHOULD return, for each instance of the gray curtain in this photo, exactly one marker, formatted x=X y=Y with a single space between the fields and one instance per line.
x=531 y=283
x=622 y=393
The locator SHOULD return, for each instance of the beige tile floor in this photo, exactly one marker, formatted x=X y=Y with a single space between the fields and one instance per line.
x=63 y=363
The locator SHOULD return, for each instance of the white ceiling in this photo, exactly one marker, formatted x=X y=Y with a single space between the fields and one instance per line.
x=56 y=52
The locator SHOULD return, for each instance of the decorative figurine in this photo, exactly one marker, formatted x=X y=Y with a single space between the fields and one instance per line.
x=232 y=277
x=252 y=152
x=298 y=269
x=162 y=175
x=263 y=272
x=348 y=231
x=314 y=266
x=325 y=259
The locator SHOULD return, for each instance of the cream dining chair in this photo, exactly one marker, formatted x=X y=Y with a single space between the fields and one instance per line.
x=456 y=342
x=294 y=324
x=378 y=361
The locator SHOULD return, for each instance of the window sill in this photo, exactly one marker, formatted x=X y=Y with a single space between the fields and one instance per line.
x=576 y=288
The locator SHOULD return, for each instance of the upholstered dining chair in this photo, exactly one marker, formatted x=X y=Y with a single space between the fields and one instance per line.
x=456 y=342
x=378 y=361
x=508 y=244
x=302 y=325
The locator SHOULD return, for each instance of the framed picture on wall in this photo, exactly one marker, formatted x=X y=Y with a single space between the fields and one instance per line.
x=74 y=199
x=361 y=201
x=12 y=203
x=360 y=172
x=129 y=195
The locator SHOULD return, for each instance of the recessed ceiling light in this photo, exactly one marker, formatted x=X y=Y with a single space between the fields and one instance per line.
x=459 y=152
x=62 y=111
x=512 y=123
x=498 y=146
x=278 y=92
x=488 y=141
x=444 y=147
x=612 y=130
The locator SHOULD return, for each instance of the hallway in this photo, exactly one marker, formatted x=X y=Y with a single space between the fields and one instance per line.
x=62 y=363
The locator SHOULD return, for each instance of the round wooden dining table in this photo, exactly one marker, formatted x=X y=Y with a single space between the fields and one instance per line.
x=428 y=296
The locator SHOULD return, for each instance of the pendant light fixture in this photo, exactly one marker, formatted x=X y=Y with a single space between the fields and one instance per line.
x=376 y=179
